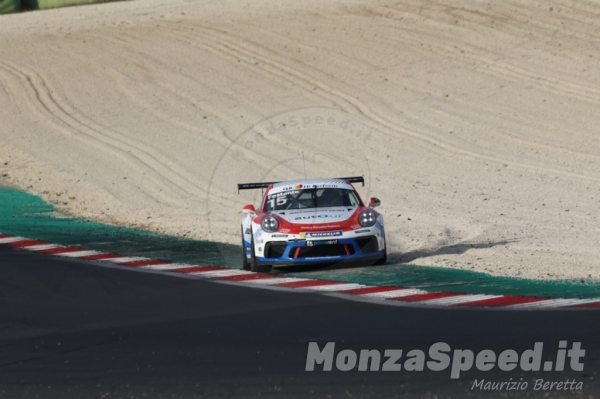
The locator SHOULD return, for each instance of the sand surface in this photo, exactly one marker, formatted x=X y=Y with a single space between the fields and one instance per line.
x=475 y=122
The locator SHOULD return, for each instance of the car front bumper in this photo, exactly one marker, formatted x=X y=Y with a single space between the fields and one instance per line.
x=296 y=252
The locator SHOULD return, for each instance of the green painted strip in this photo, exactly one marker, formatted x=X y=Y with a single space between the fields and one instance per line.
x=46 y=4
x=10 y=6
x=29 y=216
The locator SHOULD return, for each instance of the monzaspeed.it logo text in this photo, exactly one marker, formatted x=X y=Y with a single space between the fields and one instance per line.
x=440 y=356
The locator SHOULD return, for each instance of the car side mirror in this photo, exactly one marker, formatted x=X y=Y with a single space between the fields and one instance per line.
x=249 y=210
x=373 y=202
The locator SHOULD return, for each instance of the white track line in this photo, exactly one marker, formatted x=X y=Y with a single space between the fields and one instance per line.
x=395 y=293
x=455 y=300
x=221 y=273
x=78 y=254
x=42 y=247
x=334 y=287
x=8 y=240
x=124 y=259
x=276 y=280
x=553 y=303
x=167 y=266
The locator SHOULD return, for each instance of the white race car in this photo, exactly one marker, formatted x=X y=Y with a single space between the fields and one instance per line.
x=311 y=221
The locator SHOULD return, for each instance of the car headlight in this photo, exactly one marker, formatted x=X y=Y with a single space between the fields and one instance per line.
x=269 y=224
x=367 y=218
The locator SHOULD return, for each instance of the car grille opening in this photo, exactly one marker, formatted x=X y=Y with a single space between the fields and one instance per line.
x=325 y=250
x=275 y=249
x=368 y=244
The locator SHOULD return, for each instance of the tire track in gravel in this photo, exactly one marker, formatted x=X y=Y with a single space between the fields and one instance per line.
x=581 y=16
x=5 y=89
x=133 y=57
x=513 y=73
x=447 y=49
x=497 y=68
x=502 y=14
x=74 y=124
x=227 y=43
x=442 y=45
x=457 y=111
x=121 y=80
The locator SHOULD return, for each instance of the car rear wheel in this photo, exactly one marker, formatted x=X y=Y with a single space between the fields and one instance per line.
x=255 y=265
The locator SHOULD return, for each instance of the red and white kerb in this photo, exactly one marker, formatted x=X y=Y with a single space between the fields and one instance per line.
x=385 y=294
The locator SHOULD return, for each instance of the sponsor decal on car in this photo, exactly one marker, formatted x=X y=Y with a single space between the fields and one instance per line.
x=295 y=187
x=321 y=242
x=279 y=235
x=294 y=213
x=325 y=186
x=361 y=231
x=322 y=234
x=318 y=217
x=320 y=226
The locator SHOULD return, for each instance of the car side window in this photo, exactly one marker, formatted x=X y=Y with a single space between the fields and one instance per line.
x=352 y=199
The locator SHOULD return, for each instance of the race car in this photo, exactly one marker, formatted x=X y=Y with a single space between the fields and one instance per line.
x=318 y=221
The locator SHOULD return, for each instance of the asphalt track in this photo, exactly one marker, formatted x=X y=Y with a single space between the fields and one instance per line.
x=72 y=329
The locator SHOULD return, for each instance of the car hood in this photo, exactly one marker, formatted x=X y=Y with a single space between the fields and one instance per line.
x=317 y=215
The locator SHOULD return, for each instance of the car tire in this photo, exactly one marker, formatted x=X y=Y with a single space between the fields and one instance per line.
x=245 y=263
x=255 y=265
x=383 y=259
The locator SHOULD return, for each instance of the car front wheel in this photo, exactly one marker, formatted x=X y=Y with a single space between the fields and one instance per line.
x=255 y=265
x=383 y=259
x=245 y=263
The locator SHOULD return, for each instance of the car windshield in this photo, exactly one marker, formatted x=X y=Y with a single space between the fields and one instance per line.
x=311 y=198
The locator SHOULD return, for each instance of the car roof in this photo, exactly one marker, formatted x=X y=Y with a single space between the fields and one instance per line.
x=310 y=183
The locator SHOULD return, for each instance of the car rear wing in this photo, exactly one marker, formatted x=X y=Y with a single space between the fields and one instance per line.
x=253 y=186
x=355 y=179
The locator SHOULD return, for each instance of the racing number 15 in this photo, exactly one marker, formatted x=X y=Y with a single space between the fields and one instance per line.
x=280 y=201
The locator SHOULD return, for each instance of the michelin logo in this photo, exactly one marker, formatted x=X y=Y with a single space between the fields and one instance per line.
x=324 y=234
